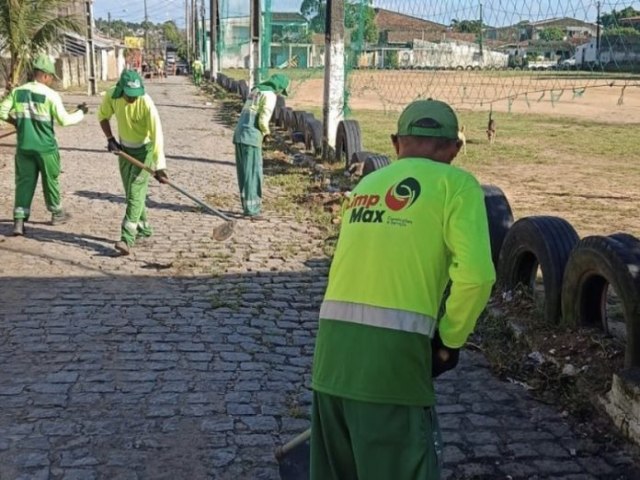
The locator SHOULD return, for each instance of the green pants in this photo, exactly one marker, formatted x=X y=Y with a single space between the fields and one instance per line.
x=249 y=168
x=353 y=440
x=197 y=78
x=27 y=167
x=136 y=183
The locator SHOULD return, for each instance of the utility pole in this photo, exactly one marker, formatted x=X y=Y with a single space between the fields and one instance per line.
x=333 y=103
x=480 y=38
x=109 y=24
x=90 y=51
x=598 y=35
x=267 y=35
x=187 y=28
x=203 y=34
x=255 y=16
x=194 y=28
x=146 y=24
x=213 y=39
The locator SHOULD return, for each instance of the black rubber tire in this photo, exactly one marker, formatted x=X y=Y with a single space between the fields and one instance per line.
x=630 y=241
x=280 y=113
x=374 y=162
x=359 y=157
x=289 y=119
x=594 y=264
x=532 y=241
x=243 y=90
x=232 y=86
x=277 y=111
x=221 y=79
x=500 y=218
x=348 y=141
x=299 y=119
x=313 y=136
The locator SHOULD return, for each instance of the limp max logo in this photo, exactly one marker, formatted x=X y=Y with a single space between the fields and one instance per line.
x=403 y=194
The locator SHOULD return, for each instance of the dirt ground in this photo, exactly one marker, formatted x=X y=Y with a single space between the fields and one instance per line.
x=479 y=91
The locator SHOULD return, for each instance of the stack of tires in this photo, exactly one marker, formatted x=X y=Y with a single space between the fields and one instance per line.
x=576 y=277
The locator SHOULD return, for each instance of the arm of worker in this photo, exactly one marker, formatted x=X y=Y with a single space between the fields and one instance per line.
x=157 y=140
x=105 y=112
x=472 y=272
x=266 y=105
x=5 y=108
x=60 y=113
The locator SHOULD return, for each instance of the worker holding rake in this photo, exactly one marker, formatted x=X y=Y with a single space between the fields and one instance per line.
x=140 y=136
x=407 y=231
x=250 y=131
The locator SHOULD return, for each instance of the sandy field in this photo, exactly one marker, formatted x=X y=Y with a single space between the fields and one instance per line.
x=615 y=100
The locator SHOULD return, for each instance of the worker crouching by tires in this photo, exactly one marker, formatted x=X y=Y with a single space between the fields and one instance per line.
x=407 y=230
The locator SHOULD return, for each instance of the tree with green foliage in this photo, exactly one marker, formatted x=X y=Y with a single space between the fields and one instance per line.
x=551 y=34
x=31 y=27
x=612 y=20
x=355 y=12
x=621 y=32
x=175 y=37
x=466 y=26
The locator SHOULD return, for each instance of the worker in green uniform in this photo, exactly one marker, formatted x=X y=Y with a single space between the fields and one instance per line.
x=140 y=135
x=198 y=69
x=407 y=230
x=32 y=108
x=252 y=127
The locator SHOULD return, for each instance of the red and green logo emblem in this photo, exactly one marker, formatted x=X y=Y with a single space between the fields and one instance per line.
x=402 y=195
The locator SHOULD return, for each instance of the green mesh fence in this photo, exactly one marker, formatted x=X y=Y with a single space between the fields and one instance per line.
x=507 y=55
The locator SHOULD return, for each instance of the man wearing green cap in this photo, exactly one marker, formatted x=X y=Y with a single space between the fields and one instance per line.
x=407 y=231
x=140 y=135
x=252 y=127
x=32 y=109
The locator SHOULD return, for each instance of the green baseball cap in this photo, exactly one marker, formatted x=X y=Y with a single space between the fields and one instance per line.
x=428 y=118
x=131 y=83
x=44 y=64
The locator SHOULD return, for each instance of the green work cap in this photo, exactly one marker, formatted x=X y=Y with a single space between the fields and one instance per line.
x=279 y=83
x=131 y=83
x=428 y=118
x=44 y=64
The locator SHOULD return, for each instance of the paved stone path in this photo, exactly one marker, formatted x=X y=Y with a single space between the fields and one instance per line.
x=190 y=359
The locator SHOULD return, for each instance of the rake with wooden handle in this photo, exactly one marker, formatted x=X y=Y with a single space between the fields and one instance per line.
x=282 y=450
x=221 y=232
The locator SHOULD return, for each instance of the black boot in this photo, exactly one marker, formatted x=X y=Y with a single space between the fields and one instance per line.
x=18 y=227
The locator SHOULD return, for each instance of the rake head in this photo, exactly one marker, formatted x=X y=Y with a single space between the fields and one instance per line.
x=224 y=232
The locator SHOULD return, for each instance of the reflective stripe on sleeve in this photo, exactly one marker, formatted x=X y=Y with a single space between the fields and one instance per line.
x=393 y=319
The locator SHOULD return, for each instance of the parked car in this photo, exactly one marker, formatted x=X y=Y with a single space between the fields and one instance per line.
x=568 y=63
x=182 y=68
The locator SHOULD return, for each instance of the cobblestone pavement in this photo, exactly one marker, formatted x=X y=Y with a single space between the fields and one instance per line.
x=190 y=359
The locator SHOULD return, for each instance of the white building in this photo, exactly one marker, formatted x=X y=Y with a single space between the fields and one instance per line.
x=617 y=50
x=452 y=55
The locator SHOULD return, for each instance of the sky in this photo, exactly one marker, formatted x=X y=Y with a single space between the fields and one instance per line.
x=495 y=12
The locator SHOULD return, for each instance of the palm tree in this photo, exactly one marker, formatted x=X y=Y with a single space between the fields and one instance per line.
x=30 y=27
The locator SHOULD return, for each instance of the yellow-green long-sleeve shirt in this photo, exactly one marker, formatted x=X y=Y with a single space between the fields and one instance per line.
x=35 y=107
x=138 y=123
x=253 y=123
x=407 y=230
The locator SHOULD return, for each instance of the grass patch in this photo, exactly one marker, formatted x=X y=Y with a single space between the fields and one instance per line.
x=587 y=172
